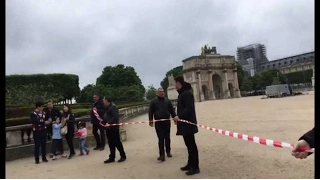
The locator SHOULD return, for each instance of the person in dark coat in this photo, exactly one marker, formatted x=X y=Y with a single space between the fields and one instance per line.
x=186 y=111
x=69 y=118
x=305 y=141
x=97 y=113
x=161 y=108
x=39 y=128
x=111 y=116
x=52 y=114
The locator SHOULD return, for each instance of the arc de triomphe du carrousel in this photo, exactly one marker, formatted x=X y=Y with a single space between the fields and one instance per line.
x=211 y=75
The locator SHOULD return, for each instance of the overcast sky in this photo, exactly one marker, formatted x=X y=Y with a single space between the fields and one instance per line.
x=82 y=37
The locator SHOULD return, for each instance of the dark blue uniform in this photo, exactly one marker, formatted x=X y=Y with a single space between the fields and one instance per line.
x=39 y=134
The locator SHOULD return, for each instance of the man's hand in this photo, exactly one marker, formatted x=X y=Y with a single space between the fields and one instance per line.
x=47 y=122
x=175 y=120
x=151 y=123
x=296 y=153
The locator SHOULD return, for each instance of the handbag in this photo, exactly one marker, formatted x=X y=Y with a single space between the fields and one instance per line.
x=64 y=130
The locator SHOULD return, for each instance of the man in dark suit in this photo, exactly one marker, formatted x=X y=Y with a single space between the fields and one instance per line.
x=161 y=108
x=97 y=113
x=186 y=111
x=52 y=114
x=111 y=116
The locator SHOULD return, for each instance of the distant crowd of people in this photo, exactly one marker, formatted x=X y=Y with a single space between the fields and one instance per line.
x=50 y=122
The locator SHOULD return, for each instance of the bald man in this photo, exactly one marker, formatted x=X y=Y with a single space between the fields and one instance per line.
x=161 y=108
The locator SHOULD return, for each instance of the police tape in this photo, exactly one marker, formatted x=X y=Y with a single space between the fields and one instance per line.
x=249 y=138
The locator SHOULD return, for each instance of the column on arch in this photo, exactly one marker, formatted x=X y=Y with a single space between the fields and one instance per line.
x=199 y=86
x=211 y=88
x=226 y=91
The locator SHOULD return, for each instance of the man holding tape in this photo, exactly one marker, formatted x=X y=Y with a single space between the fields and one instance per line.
x=186 y=111
x=161 y=108
x=306 y=141
x=97 y=113
x=111 y=116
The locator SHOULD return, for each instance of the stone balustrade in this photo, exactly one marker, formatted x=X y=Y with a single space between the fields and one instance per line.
x=16 y=147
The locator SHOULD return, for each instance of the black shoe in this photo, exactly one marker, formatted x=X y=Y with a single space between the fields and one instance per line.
x=101 y=149
x=44 y=159
x=161 y=158
x=96 y=148
x=108 y=161
x=70 y=156
x=192 y=172
x=122 y=159
x=169 y=155
x=185 y=168
x=37 y=161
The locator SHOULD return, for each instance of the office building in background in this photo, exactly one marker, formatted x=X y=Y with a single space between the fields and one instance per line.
x=251 y=56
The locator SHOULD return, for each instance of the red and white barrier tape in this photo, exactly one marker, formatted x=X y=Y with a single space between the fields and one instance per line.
x=255 y=139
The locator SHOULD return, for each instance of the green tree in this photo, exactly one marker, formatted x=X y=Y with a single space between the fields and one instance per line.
x=122 y=83
x=177 y=71
x=275 y=81
x=299 y=77
x=151 y=92
x=241 y=74
x=247 y=84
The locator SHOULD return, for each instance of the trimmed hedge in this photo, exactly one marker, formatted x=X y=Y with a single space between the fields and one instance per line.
x=16 y=112
x=35 y=87
x=26 y=120
x=77 y=112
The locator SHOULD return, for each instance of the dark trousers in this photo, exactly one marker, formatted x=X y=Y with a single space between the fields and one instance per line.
x=100 y=139
x=49 y=131
x=113 y=136
x=57 y=144
x=69 y=139
x=163 y=133
x=193 y=156
x=40 y=141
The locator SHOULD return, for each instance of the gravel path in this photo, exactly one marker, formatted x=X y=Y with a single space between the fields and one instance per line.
x=282 y=119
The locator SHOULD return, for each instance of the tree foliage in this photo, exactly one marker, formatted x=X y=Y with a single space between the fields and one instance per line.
x=177 y=71
x=272 y=77
x=241 y=75
x=119 y=82
x=151 y=92
x=26 y=89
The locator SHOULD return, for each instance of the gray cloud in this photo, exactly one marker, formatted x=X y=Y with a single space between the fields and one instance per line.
x=152 y=36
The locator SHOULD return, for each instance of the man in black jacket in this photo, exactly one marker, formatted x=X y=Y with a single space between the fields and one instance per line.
x=39 y=128
x=52 y=114
x=306 y=141
x=161 y=108
x=186 y=111
x=97 y=113
x=111 y=116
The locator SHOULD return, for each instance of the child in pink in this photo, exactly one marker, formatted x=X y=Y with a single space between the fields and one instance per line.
x=82 y=134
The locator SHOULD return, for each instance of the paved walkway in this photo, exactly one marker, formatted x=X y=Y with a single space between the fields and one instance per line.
x=220 y=157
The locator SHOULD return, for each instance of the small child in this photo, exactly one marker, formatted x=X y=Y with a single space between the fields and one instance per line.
x=57 y=143
x=82 y=134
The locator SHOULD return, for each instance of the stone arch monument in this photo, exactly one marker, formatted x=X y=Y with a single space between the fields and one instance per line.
x=171 y=90
x=211 y=75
